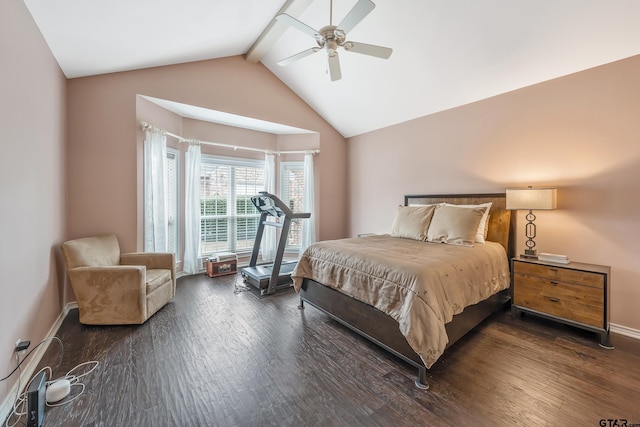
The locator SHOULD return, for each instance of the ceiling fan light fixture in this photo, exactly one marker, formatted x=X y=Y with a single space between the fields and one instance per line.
x=330 y=37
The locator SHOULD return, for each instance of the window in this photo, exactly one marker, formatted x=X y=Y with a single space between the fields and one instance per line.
x=292 y=193
x=229 y=221
x=173 y=172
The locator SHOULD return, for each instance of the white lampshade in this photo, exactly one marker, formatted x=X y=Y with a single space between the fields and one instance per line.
x=531 y=198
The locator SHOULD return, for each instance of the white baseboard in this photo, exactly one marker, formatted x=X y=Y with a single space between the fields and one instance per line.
x=29 y=367
x=623 y=330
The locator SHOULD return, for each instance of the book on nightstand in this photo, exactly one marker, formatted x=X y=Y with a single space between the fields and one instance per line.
x=560 y=259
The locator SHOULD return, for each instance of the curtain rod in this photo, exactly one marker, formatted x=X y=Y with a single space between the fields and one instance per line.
x=146 y=126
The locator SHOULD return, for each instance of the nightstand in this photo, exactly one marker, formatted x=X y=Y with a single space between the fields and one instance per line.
x=575 y=294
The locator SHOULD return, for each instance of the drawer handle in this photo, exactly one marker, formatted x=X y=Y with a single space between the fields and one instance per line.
x=555 y=270
x=552 y=299
x=553 y=283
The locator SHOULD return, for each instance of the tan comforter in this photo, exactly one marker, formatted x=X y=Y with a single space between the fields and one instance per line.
x=421 y=285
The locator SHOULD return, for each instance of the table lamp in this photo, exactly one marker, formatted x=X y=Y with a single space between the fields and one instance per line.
x=531 y=199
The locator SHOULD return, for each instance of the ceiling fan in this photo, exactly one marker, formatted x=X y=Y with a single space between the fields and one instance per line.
x=331 y=37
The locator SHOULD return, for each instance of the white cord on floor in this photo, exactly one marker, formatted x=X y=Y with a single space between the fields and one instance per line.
x=20 y=402
x=15 y=402
x=73 y=379
x=239 y=287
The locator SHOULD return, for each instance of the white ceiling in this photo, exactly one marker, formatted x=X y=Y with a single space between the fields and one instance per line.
x=446 y=53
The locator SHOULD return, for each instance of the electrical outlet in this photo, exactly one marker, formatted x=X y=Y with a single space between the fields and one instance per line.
x=21 y=346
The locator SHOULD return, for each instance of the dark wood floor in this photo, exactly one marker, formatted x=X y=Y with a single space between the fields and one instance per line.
x=215 y=358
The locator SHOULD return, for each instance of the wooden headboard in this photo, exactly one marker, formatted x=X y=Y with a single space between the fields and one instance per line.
x=501 y=222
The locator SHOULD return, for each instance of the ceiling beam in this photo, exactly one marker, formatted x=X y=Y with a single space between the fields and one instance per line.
x=274 y=30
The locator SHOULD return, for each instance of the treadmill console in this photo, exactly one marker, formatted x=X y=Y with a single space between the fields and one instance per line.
x=265 y=202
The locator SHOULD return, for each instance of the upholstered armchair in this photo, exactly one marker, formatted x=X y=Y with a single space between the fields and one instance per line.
x=117 y=289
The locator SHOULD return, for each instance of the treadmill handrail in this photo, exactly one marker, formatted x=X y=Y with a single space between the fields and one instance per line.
x=300 y=215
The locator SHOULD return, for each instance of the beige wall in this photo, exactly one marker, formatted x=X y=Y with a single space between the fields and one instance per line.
x=580 y=133
x=105 y=143
x=32 y=179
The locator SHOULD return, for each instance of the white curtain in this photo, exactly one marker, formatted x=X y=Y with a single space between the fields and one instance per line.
x=192 y=263
x=155 y=200
x=308 y=225
x=269 y=237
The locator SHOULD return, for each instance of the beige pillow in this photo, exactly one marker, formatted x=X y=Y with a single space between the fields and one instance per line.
x=483 y=227
x=455 y=225
x=412 y=222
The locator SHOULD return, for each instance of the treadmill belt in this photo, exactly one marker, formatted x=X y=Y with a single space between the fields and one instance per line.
x=260 y=275
x=285 y=268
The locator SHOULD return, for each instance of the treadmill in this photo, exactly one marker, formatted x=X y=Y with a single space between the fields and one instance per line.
x=270 y=278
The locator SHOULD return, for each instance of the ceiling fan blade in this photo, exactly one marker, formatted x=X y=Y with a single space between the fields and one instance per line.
x=334 y=66
x=368 y=49
x=299 y=25
x=298 y=56
x=355 y=15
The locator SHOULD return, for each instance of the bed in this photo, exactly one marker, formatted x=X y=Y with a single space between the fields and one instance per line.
x=374 y=284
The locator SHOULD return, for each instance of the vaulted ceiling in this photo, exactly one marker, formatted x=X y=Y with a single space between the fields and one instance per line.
x=446 y=53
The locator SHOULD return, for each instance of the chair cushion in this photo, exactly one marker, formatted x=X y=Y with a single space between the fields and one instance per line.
x=99 y=251
x=157 y=278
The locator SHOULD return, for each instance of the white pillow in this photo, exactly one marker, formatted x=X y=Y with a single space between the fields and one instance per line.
x=454 y=225
x=483 y=227
x=412 y=222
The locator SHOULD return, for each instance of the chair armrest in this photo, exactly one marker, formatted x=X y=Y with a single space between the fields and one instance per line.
x=152 y=260
x=100 y=291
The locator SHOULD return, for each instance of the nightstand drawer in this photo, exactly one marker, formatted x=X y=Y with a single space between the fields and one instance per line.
x=585 y=278
x=583 y=304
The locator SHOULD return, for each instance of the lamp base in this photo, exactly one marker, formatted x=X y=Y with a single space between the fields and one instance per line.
x=529 y=254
